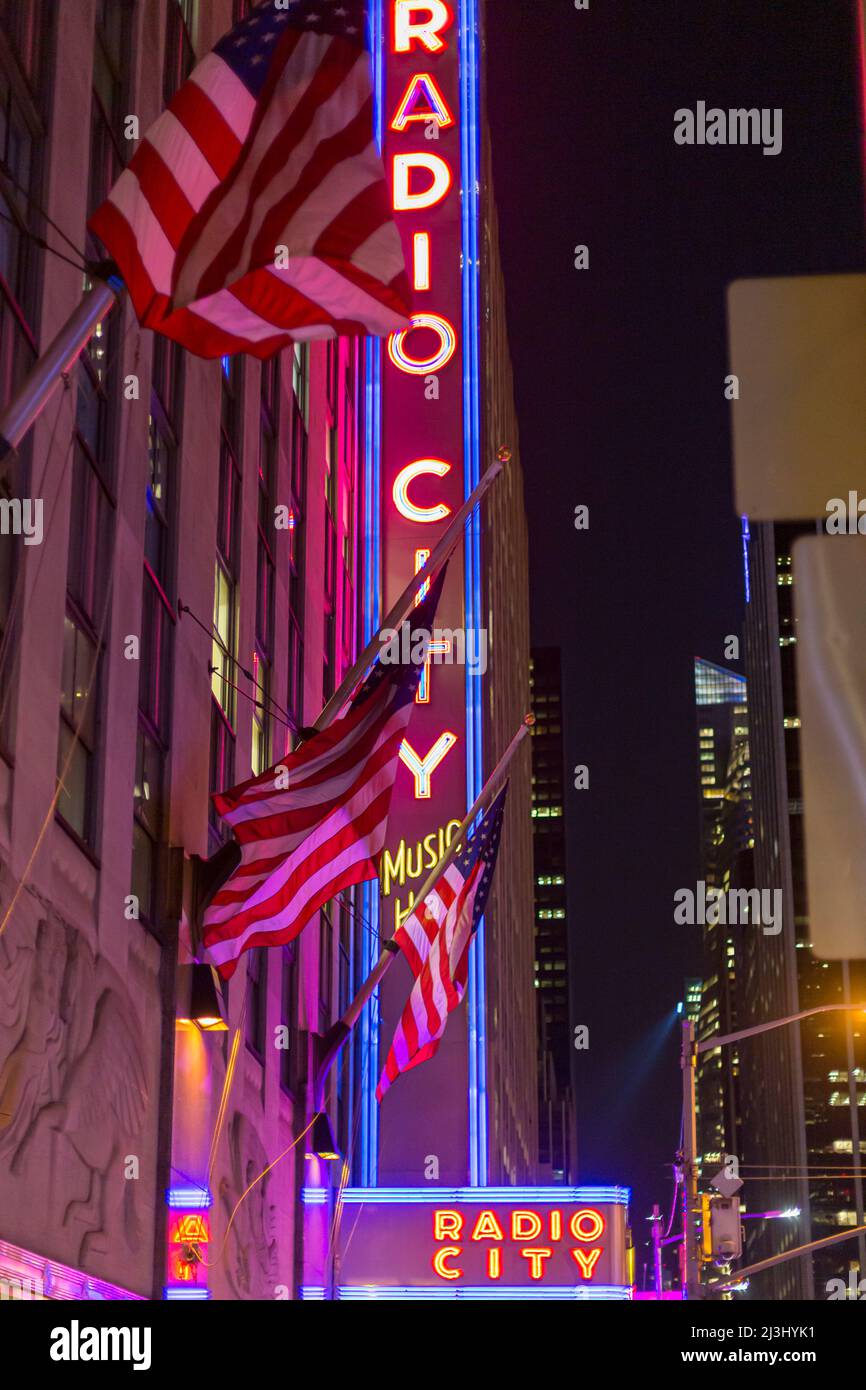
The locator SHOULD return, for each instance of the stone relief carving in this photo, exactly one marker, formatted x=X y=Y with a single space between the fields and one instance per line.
x=73 y=1091
x=251 y=1258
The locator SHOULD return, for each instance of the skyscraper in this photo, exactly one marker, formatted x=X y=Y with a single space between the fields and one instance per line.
x=725 y=825
x=557 y=1139
x=804 y=1086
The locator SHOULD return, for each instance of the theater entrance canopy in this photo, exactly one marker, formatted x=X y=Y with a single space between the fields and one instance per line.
x=477 y=1243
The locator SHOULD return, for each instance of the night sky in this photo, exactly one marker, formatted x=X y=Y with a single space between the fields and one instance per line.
x=619 y=374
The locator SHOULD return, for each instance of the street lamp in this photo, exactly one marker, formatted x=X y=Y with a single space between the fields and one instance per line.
x=691 y=1050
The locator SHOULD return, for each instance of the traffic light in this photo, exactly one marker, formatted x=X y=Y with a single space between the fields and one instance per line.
x=721 y=1229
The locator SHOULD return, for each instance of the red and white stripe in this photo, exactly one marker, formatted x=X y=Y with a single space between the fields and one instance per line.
x=435 y=939
x=222 y=179
x=304 y=842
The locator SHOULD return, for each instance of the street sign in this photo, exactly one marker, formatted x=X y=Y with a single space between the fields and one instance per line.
x=797 y=349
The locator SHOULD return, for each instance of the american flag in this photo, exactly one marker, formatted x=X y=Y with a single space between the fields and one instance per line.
x=435 y=939
x=315 y=823
x=264 y=156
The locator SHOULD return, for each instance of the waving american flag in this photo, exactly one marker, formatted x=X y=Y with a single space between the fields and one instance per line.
x=255 y=210
x=316 y=823
x=435 y=939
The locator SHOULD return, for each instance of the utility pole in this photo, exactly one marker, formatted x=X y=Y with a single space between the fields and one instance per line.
x=657 y=1250
x=691 y=1201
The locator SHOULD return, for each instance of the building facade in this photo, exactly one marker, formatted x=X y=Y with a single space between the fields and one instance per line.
x=803 y=1087
x=557 y=1143
x=725 y=860
x=215 y=553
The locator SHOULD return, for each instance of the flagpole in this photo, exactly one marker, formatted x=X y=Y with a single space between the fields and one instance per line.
x=334 y=1039
x=46 y=373
x=404 y=604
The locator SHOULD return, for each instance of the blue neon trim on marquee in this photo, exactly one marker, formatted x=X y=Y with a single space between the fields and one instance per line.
x=583 y=1293
x=188 y=1197
x=469 y=139
x=475 y=1196
x=185 y=1293
x=468 y=53
x=369 y=1021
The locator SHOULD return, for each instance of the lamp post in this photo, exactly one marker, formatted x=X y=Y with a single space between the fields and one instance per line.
x=691 y=1050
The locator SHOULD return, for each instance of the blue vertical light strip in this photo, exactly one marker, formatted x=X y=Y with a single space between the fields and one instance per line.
x=747 y=536
x=470 y=183
x=369 y=1022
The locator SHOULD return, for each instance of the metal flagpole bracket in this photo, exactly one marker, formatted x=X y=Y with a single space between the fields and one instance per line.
x=47 y=372
x=326 y=1050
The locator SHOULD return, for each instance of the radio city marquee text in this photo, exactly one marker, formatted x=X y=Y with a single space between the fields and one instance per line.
x=423 y=184
x=518 y=1244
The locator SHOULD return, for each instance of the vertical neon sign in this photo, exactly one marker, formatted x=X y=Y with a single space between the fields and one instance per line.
x=423 y=399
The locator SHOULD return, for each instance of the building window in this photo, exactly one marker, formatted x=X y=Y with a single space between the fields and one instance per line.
x=289 y=1014
x=109 y=107
x=76 y=757
x=257 y=1000
x=226 y=580
x=28 y=27
x=158 y=619
x=147 y=830
x=222 y=750
x=20 y=140
x=326 y=966
x=179 y=49
x=297 y=505
x=265 y=565
x=329 y=578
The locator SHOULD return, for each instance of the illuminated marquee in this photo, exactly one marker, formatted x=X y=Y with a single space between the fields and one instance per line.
x=188 y=1234
x=520 y=1239
x=422 y=460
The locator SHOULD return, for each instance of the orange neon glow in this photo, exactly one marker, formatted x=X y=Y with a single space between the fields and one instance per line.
x=422 y=769
x=181 y=1271
x=420 y=366
x=587 y=1218
x=536 y=1255
x=525 y=1225
x=587 y=1260
x=191 y=1229
x=494 y=1263
x=421 y=261
x=411 y=32
x=439 y=1265
x=424 y=516
x=405 y=198
x=487 y=1227
x=422 y=85
x=447 y=1223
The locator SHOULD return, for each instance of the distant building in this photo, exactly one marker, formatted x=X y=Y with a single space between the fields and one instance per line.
x=557 y=1143
x=692 y=994
x=725 y=822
